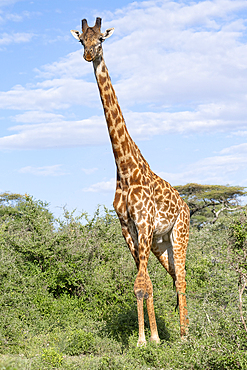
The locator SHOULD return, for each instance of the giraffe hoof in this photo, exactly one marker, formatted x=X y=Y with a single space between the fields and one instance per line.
x=184 y=338
x=155 y=340
x=141 y=343
x=146 y=296
x=139 y=294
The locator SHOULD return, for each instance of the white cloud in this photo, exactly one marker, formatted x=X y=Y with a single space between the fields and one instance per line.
x=50 y=95
x=208 y=117
x=88 y=171
x=8 y=2
x=13 y=17
x=183 y=65
x=240 y=148
x=102 y=187
x=240 y=133
x=220 y=169
x=183 y=54
x=38 y=117
x=18 y=37
x=54 y=170
x=72 y=65
x=56 y=134
x=47 y=130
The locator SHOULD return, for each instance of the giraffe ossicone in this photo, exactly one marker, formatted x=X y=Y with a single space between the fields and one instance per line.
x=153 y=216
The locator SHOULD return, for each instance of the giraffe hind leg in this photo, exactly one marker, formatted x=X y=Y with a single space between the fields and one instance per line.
x=167 y=253
x=164 y=253
x=179 y=239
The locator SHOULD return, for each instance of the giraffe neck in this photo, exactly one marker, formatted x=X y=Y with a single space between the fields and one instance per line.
x=124 y=149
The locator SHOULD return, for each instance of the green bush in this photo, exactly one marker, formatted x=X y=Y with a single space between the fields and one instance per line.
x=52 y=357
x=67 y=294
x=79 y=342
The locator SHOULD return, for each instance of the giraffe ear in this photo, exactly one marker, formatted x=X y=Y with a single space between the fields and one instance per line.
x=76 y=34
x=107 y=33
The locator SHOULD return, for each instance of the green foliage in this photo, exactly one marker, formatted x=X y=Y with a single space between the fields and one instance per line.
x=79 y=342
x=238 y=244
x=238 y=253
x=231 y=361
x=239 y=233
x=52 y=357
x=67 y=297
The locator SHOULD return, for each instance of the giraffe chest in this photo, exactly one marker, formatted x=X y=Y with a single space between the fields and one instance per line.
x=133 y=199
x=142 y=205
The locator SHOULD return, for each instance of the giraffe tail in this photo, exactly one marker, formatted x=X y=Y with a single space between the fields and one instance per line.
x=177 y=305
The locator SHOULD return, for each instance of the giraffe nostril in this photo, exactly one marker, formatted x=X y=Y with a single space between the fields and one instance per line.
x=88 y=55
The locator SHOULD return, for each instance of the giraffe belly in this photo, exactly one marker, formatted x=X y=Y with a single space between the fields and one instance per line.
x=162 y=225
x=164 y=219
x=163 y=250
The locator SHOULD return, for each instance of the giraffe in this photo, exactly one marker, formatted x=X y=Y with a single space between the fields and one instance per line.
x=152 y=215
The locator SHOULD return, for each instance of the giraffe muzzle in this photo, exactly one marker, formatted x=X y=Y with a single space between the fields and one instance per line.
x=89 y=55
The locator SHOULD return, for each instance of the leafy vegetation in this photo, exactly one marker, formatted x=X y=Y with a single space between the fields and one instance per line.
x=67 y=297
x=239 y=257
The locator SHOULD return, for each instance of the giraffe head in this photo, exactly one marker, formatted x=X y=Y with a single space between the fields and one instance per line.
x=91 y=38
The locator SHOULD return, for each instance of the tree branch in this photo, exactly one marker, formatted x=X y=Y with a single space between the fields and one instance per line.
x=196 y=209
x=225 y=207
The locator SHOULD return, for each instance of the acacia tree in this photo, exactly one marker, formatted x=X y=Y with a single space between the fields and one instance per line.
x=9 y=204
x=7 y=198
x=207 y=202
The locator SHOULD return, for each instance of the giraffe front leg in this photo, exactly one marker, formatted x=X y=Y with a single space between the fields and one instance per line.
x=143 y=289
x=139 y=290
x=130 y=234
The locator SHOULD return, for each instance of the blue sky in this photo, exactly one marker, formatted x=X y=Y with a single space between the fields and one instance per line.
x=179 y=69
